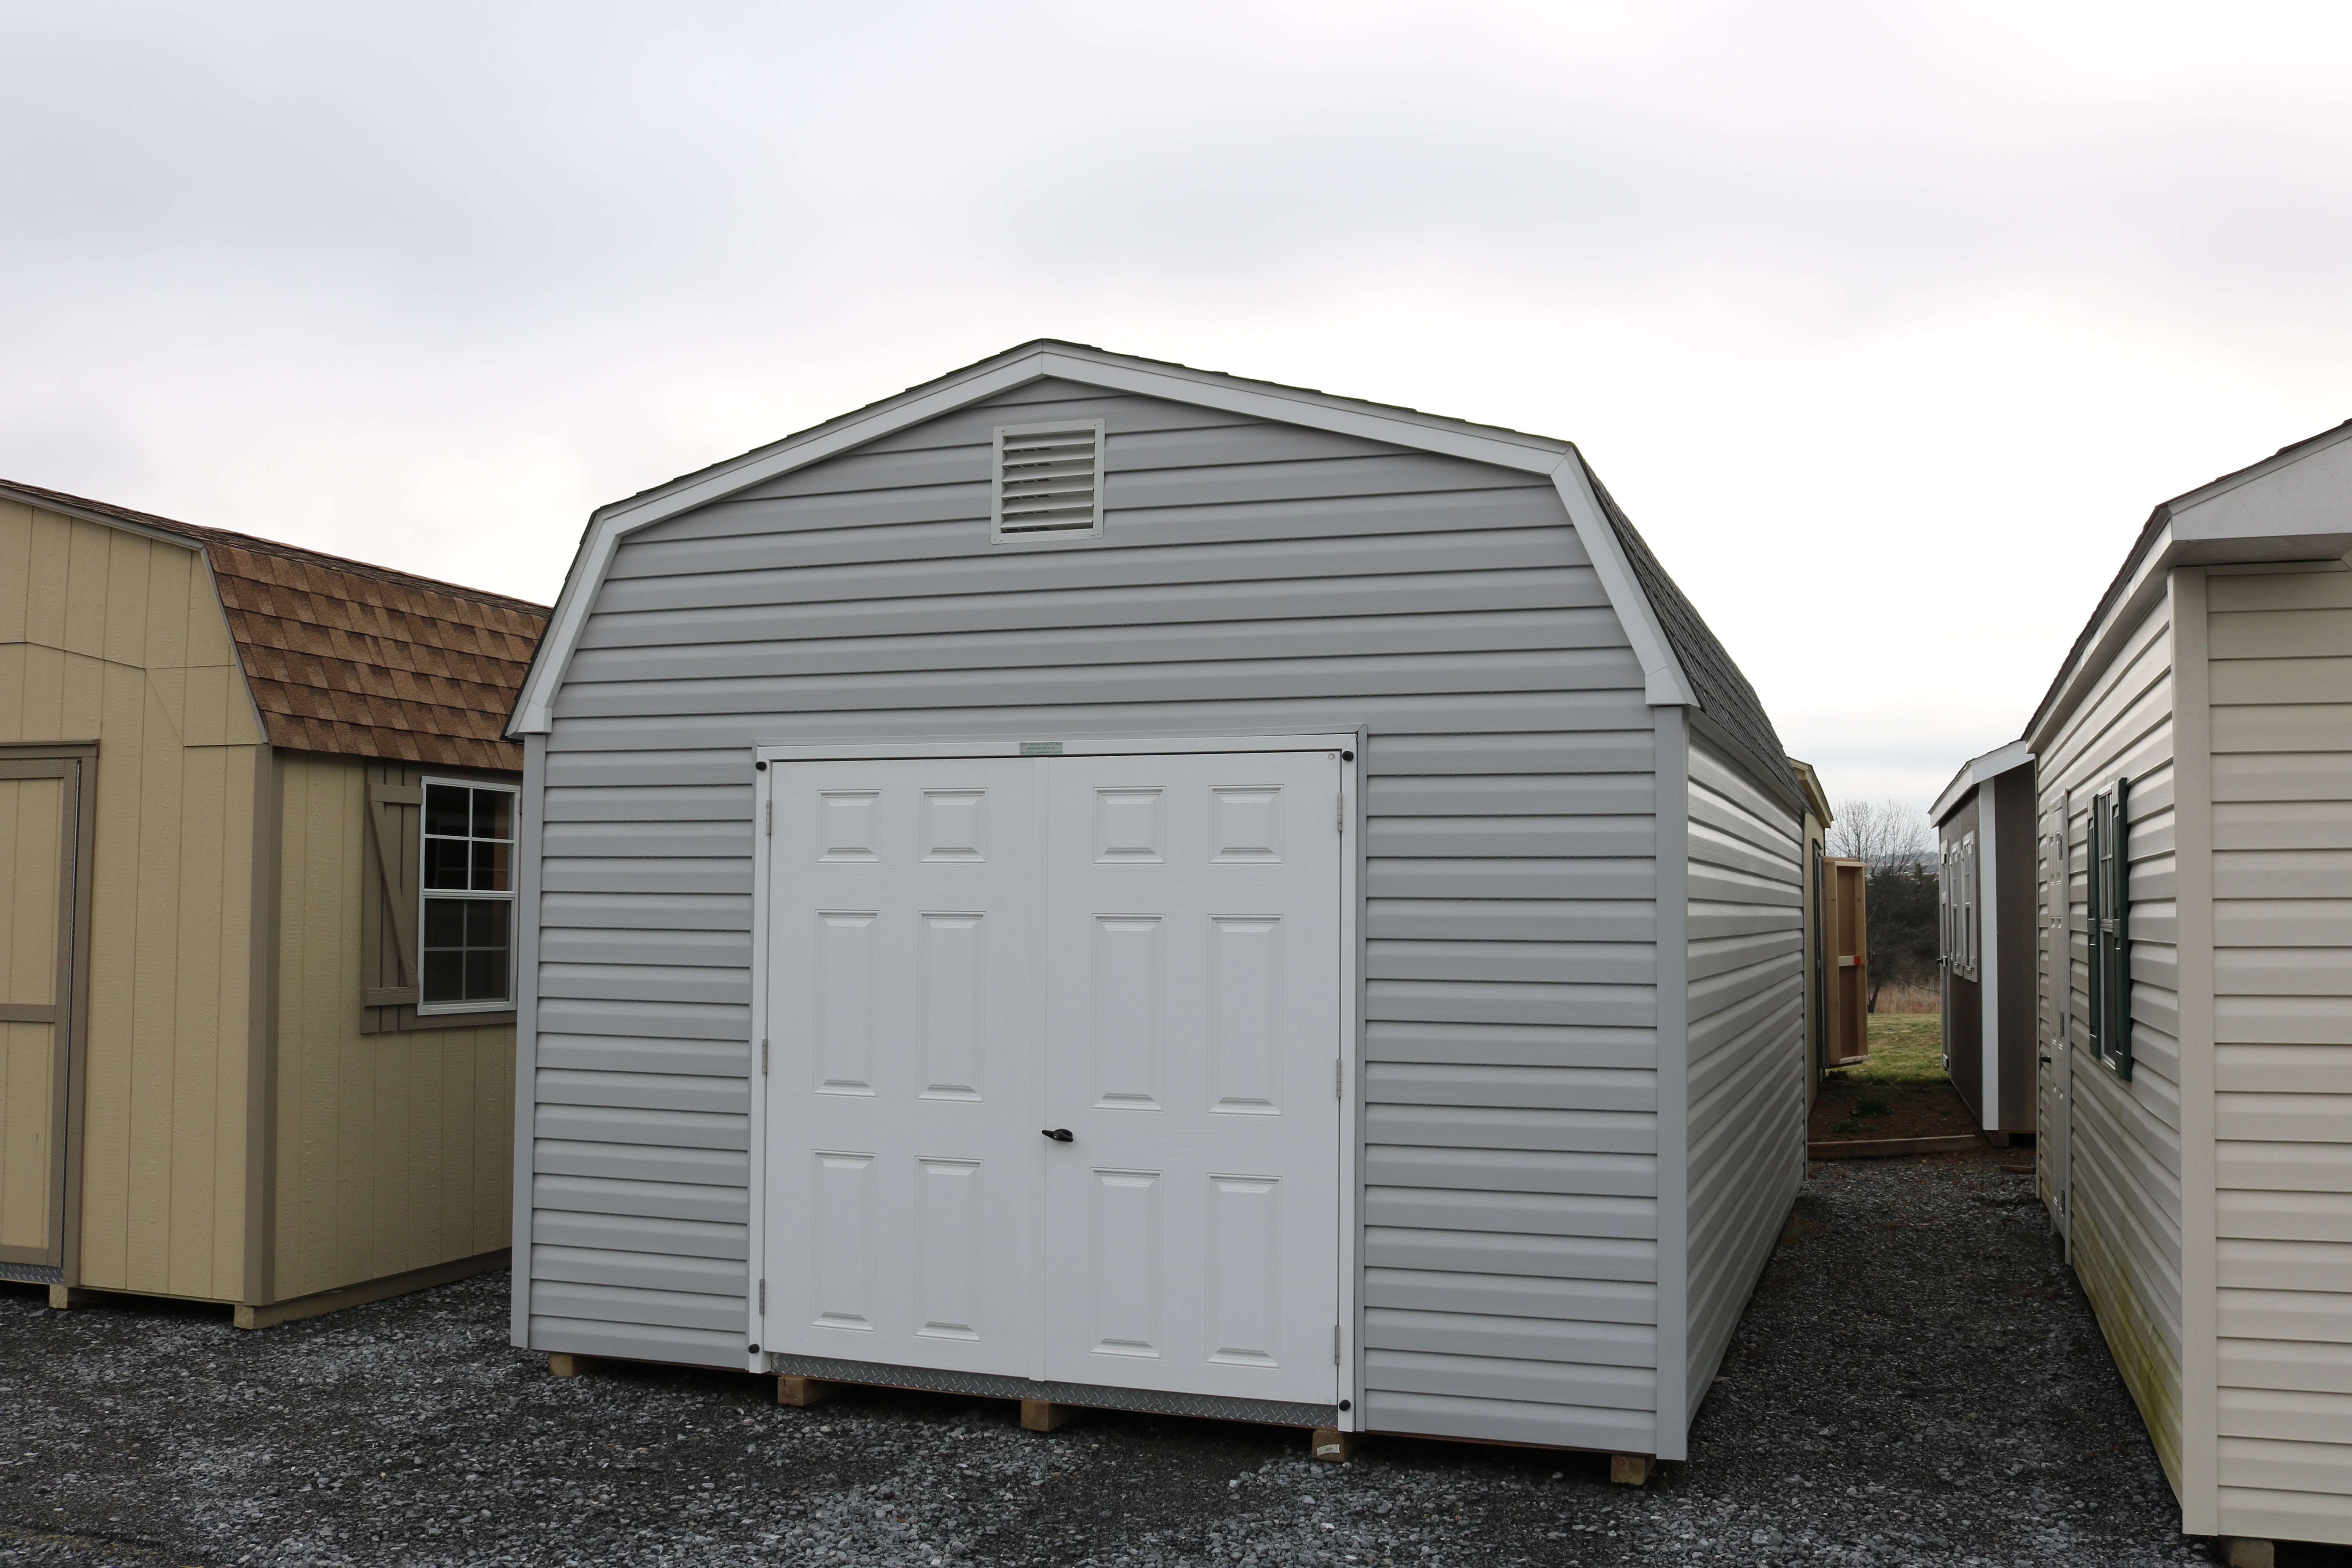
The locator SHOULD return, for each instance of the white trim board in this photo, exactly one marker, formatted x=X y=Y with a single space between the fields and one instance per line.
x=1071 y=746
x=1351 y=1110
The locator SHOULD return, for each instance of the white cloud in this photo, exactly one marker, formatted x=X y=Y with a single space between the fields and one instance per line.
x=1888 y=324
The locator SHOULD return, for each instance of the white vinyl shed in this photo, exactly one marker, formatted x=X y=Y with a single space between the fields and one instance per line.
x=1098 y=882
x=2193 y=769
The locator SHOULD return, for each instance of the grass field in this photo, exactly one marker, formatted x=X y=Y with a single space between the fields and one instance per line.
x=1905 y=1047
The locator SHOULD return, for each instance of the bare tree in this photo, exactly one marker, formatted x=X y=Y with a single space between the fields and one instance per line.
x=1879 y=833
x=1893 y=842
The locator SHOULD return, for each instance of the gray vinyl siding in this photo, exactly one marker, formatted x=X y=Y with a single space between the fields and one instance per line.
x=1254 y=578
x=1746 y=1062
x=2124 y=1141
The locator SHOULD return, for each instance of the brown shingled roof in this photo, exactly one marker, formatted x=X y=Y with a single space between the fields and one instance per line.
x=357 y=659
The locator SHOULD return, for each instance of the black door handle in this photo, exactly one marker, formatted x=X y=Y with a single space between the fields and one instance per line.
x=1059 y=1134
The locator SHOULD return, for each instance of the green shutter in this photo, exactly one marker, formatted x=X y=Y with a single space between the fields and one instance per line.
x=2095 y=889
x=2109 y=901
x=2119 y=954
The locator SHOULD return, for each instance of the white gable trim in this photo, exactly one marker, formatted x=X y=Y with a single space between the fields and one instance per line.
x=1976 y=772
x=1664 y=679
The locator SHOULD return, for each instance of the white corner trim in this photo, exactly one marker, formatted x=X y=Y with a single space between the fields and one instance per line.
x=1664 y=684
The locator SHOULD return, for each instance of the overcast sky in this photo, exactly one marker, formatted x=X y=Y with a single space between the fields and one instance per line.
x=1888 y=322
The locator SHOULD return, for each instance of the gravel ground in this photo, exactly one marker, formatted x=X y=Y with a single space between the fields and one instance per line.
x=1916 y=1382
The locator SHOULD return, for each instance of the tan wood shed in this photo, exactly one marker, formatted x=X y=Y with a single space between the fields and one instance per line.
x=2193 y=793
x=1818 y=957
x=234 y=777
x=1846 y=919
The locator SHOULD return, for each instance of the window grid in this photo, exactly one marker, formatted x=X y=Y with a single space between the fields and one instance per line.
x=466 y=897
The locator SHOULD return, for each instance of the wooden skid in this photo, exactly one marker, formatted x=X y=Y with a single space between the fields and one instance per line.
x=1036 y=1415
x=1337 y=1446
x=1629 y=1470
x=802 y=1392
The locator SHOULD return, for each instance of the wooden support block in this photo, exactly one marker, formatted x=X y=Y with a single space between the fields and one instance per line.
x=1337 y=1446
x=802 y=1392
x=562 y=1364
x=1629 y=1470
x=2246 y=1554
x=61 y=1297
x=1043 y=1415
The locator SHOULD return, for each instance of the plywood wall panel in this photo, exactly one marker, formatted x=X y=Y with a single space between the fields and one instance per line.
x=116 y=640
x=392 y=1147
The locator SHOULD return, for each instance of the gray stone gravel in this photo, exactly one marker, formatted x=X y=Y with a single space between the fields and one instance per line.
x=1916 y=1382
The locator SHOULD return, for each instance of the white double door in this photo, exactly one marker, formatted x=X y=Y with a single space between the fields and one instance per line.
x=966 y=956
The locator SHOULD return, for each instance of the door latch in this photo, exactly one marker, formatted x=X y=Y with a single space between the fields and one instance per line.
x=1059 y=1134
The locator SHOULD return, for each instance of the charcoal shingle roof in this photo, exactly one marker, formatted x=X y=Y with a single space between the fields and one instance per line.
x=1723 y=693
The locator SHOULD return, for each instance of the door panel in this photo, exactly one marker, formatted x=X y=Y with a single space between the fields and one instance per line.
x=38 y=801
x=1142 y=950
x=1193 y=1032
x=28 y=1090
x=903 y=1084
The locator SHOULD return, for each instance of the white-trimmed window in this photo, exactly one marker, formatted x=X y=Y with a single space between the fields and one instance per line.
x=1957 y=899
x=1046 y=483
x=466 y=892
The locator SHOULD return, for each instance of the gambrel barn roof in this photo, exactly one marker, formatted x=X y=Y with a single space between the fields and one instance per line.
x=352 y=658
x=1682 y=661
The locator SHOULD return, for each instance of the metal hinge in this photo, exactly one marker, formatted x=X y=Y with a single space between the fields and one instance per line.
x=1338 y=1077
x=763 y=1298
x=1335 y=1344
x=771 y=815
x=763 y=1058
x=1339 y=812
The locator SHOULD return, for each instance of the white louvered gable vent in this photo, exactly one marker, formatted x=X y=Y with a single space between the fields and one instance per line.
x=1048 y=482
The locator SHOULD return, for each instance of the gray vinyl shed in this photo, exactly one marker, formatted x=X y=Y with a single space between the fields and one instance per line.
x=1325 y=823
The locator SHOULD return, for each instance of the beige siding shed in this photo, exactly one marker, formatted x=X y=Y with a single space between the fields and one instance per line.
x=196 y=1099
x=2199 y=1162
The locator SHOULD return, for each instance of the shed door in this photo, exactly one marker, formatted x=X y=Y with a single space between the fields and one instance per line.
x=37 y=817
x=904 y=1021
x=1192 y=961
x=1141 y=951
